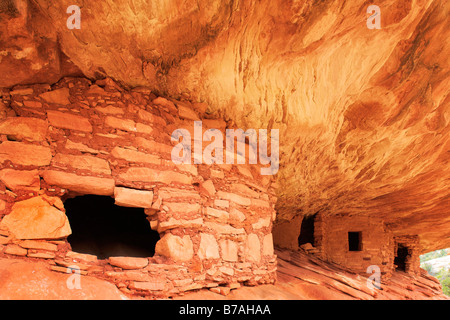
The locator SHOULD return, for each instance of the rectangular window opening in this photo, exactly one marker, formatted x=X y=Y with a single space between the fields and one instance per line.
x=355 y=241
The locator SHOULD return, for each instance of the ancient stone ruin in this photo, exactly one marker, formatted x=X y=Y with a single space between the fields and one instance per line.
x=212 y=223
x=116 y=163
x=353 y=242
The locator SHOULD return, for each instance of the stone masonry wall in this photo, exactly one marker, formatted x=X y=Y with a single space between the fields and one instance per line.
x=378 y=247
x=377 y=243
x=76 y=138
x=412 y=263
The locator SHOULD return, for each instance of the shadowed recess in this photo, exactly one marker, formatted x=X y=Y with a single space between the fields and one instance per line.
x=400 y=259
x=307 y=231
x=101 y=228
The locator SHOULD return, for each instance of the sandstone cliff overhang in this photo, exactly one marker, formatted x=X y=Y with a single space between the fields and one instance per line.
x=363 y=114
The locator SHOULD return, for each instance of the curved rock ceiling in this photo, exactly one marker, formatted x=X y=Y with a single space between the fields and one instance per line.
x=363 y=113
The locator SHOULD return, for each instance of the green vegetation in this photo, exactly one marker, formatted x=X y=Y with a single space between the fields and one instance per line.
x=444 y=278
x=443 y=275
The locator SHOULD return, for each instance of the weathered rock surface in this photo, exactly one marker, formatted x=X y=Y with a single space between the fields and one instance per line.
x=24 y=280
x=20 y=179
x=128 y=262
x=30 y=57
x=363 y=114
x=299 y=277
x=58 y=96
x=25 y=154
x=89 y=163
x=175 y=247
x=81 y=184
x=24 y=128
x=69 y=121
x=37 y=218
x=133 y=198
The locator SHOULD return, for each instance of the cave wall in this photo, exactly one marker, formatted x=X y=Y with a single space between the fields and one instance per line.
x=76 y=137
x=363 y=113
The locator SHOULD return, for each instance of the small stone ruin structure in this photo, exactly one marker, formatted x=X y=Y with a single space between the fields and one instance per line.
x=354 y=242
x=211 y=224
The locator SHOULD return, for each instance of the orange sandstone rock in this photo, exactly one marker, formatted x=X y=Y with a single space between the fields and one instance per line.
x=133 y=198
x=152 y=175
x=122 y=124
x=175 y=247
x=229 y=249
x=36 y=218
x=154 y=285
x=24 y=128
x=15 y=250
x=81 y=184
x=208 y=248
x=234 y=198
x=135 y=156
x=69 y=121
x=150 y=117
x=20 y=179
x=153 y=146
x=59 y=96
x=25 y=154
x=83 y=162
x=253 y=248
x=34 y=244
x=128 y=262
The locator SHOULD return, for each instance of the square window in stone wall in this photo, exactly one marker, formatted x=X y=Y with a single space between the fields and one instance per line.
x=355 y=241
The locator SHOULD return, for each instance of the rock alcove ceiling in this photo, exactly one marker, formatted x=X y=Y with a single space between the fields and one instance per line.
x=363 y=113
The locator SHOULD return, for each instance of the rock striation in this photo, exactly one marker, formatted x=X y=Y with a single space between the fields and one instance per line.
x=363 y=116
x=363 y=113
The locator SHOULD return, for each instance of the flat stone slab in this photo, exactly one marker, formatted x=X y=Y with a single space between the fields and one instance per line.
x=81 y=184
x=128 y=263
x=69 y=121
x=25 y=154
x=25 y=128
x=20 y=179
x=37 y=218
x=126 y=197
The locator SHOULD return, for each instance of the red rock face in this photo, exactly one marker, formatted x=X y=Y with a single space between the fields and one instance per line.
x=30 y=56
x=363 y=113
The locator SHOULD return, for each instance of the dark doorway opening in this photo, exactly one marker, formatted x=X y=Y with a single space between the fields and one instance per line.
x=400 y=259
x=355 y=241
x=101 y=228
x=307 y=230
